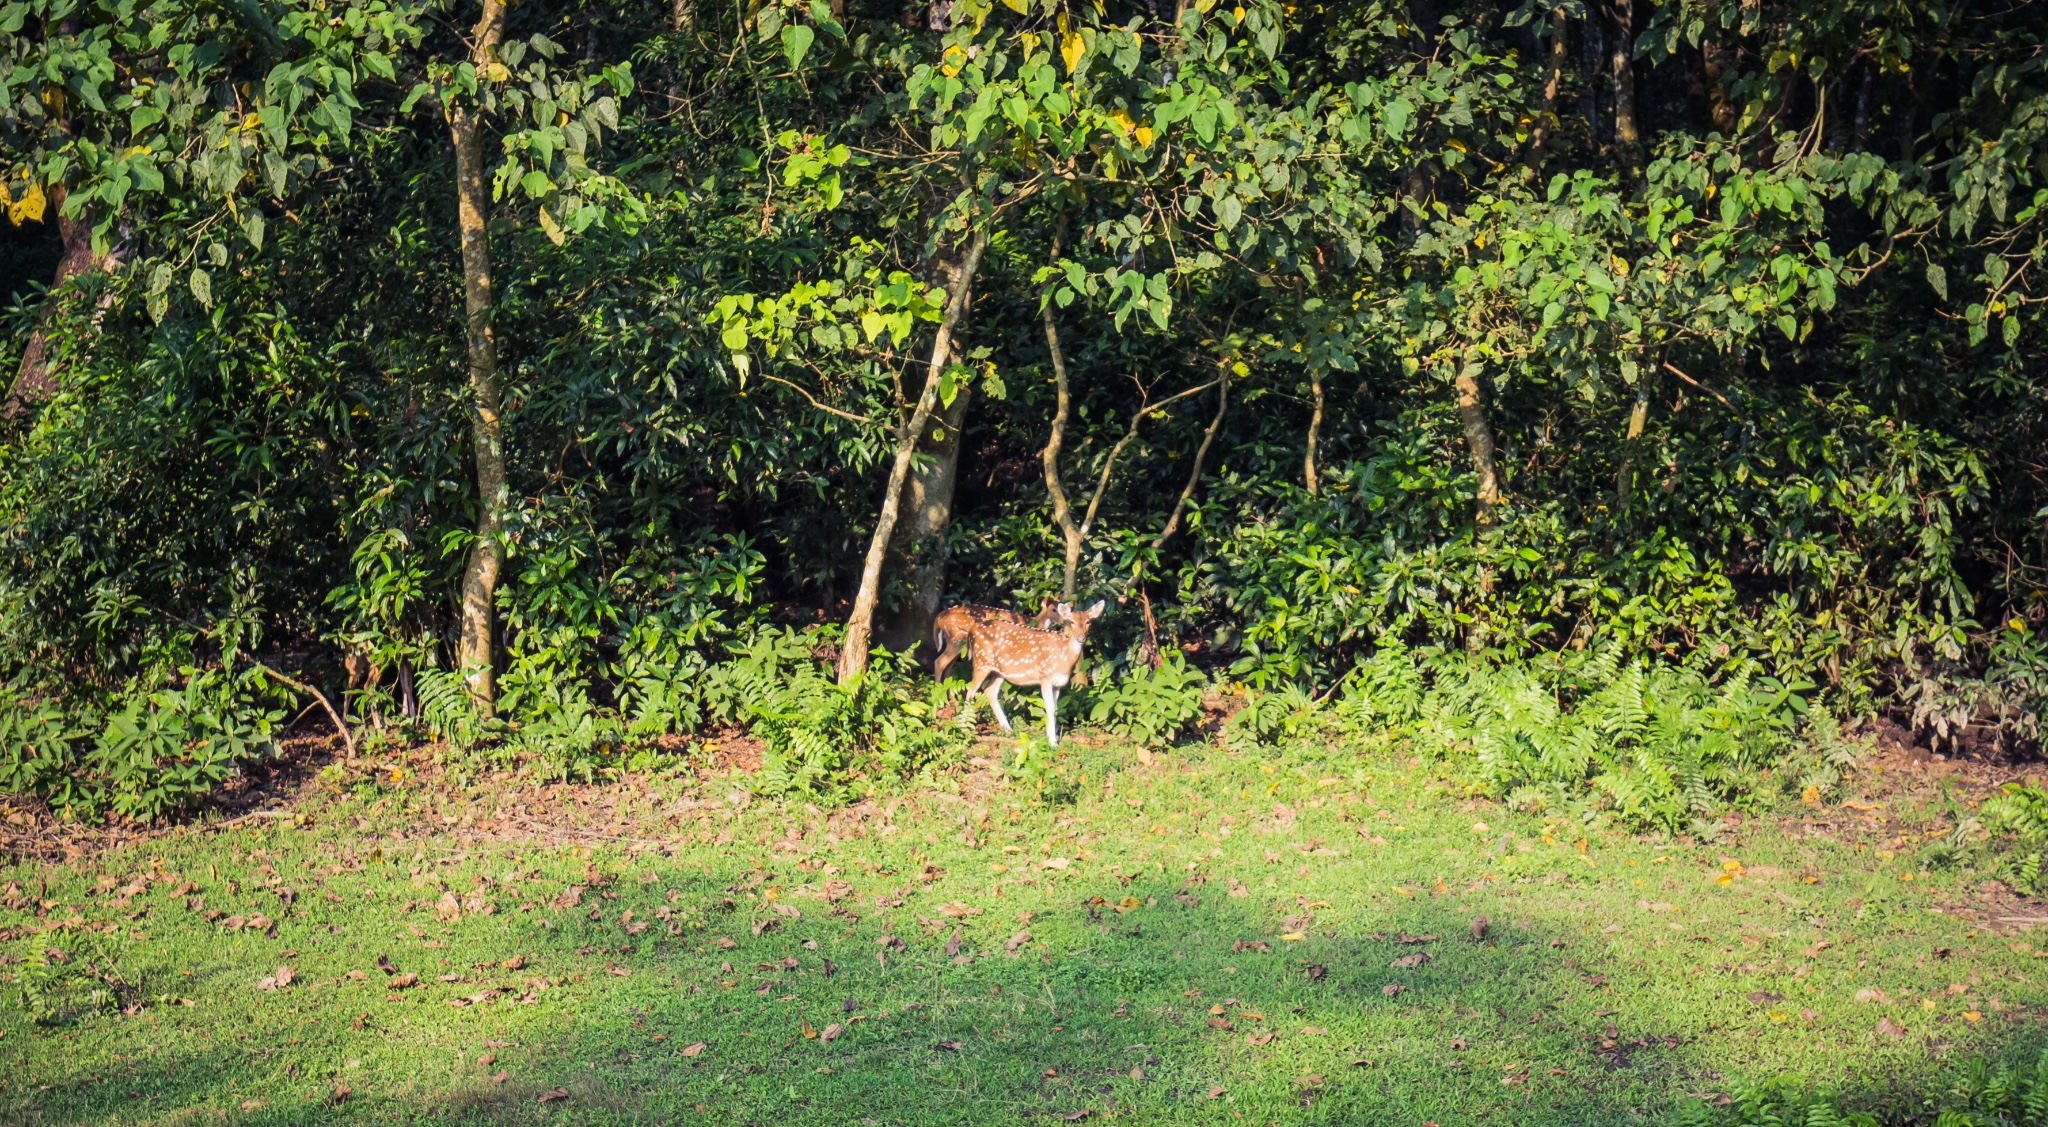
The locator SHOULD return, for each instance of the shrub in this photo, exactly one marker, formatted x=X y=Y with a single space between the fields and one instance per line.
x=173 y=748
x=1152 y=706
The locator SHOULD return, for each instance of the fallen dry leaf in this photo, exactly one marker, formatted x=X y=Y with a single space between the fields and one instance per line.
x=1257 y=1039
x=1217 y=1091
x=831 y=1033
x=551 y=1095
x=694 y=1048
x=487 y=1060
x=1410 y=962
x=284 y=976
x=1055 y=863
x=252 y=1105
x=1392 y=988
x=1137 y=1072
x=1314 y=1031
x=500 y=1076
x=1760 y=997
x=1886 y=1028
x=402 y=981
x=949 y=1046
x=1480 y=925
x=516 y=962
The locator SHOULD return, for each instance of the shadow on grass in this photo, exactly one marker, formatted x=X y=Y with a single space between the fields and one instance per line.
x=1191 y=1005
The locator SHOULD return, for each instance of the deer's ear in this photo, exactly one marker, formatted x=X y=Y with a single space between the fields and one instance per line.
x=1096 y=610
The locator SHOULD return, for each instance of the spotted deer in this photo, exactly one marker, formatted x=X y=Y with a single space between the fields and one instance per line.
x=955 y=627
x=1006 y=651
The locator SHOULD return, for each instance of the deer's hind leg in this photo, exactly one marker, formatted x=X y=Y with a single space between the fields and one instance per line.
x=1051 y=696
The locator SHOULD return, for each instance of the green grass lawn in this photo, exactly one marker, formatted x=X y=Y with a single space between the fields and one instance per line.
x=1207 y=939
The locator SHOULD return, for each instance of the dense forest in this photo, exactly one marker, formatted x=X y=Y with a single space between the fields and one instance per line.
x=1617 y=395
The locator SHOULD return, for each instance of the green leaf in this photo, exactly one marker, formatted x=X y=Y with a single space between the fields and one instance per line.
x=735 y=336
x=796 y=39
x=1228 y=212
x=1938 y=278
x=202 y=288
x=1788 y=325
x=253 y=228
x=1397 y=116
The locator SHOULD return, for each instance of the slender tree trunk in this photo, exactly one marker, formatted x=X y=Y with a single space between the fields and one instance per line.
x=1479 y=439
x=918 y=546
x=1628 y=138
x=1315 y=430
x=1591 y=44
x=1719 y=107
x=1062 y=513
x=1546 y=105
x=475 y=646
x=1187 y=491
x=853 y=656
x=34 y=381
x=1625 y=479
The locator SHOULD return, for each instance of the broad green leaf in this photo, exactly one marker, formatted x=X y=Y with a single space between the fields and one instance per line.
x=797 y=39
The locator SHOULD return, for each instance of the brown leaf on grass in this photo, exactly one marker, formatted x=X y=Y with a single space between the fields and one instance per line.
x=1392 y=988
x=340 y=1094
x=1016 y=941
x=953 y=943
x=1887 y=1029
x=1410 y=962
x=1316 y=973
x=789 y=910
x=762 y=926
x=618 y=971
x=1219 y=1023
x=830 y=1033
x=837 y=890
x=1137 y=1072
x=1217 y=1091
x=1312 y=1080
x=1808 y=1016
x=1479 y=928
x=694 y=1048
x=448 y=908
x=1071 y=1116
x=402 y=981
x=1259 y=1038
x=1404 y=937
x=830 y=968
x=285 y=976
x=949 y=1046
x=253 y=1105
x=1762 y=997
x=551 y=1095
x=891 y=943
x=1314 y=1031
x=500 y=1076
x=957 y=910
x=1869 y=995
x=723 y=944
x=1255 y=945
x=516 y=962
x=1361 y=1062
x=356 y=975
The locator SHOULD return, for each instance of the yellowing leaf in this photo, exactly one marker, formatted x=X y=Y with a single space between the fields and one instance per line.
x=1021 y=7
x=497 y=72
x=29 y=208
x=1071 y=49
x=1294 y=937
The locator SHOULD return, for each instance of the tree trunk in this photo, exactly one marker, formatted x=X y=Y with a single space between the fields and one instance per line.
x=1062 y=512
x=1315 y=430
x=1720 y=108
x=476 y=643
x=1625 y=479
x=34 y=381
x=1479 y=439
x=1590 y=48
x=853 y=656
x=1628 y=136
x=1187 y=492
x=1546 y=105
x=918 y=546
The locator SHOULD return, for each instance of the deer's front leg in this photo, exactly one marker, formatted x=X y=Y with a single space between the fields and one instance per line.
x=1051 y=696
x=994 y=693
